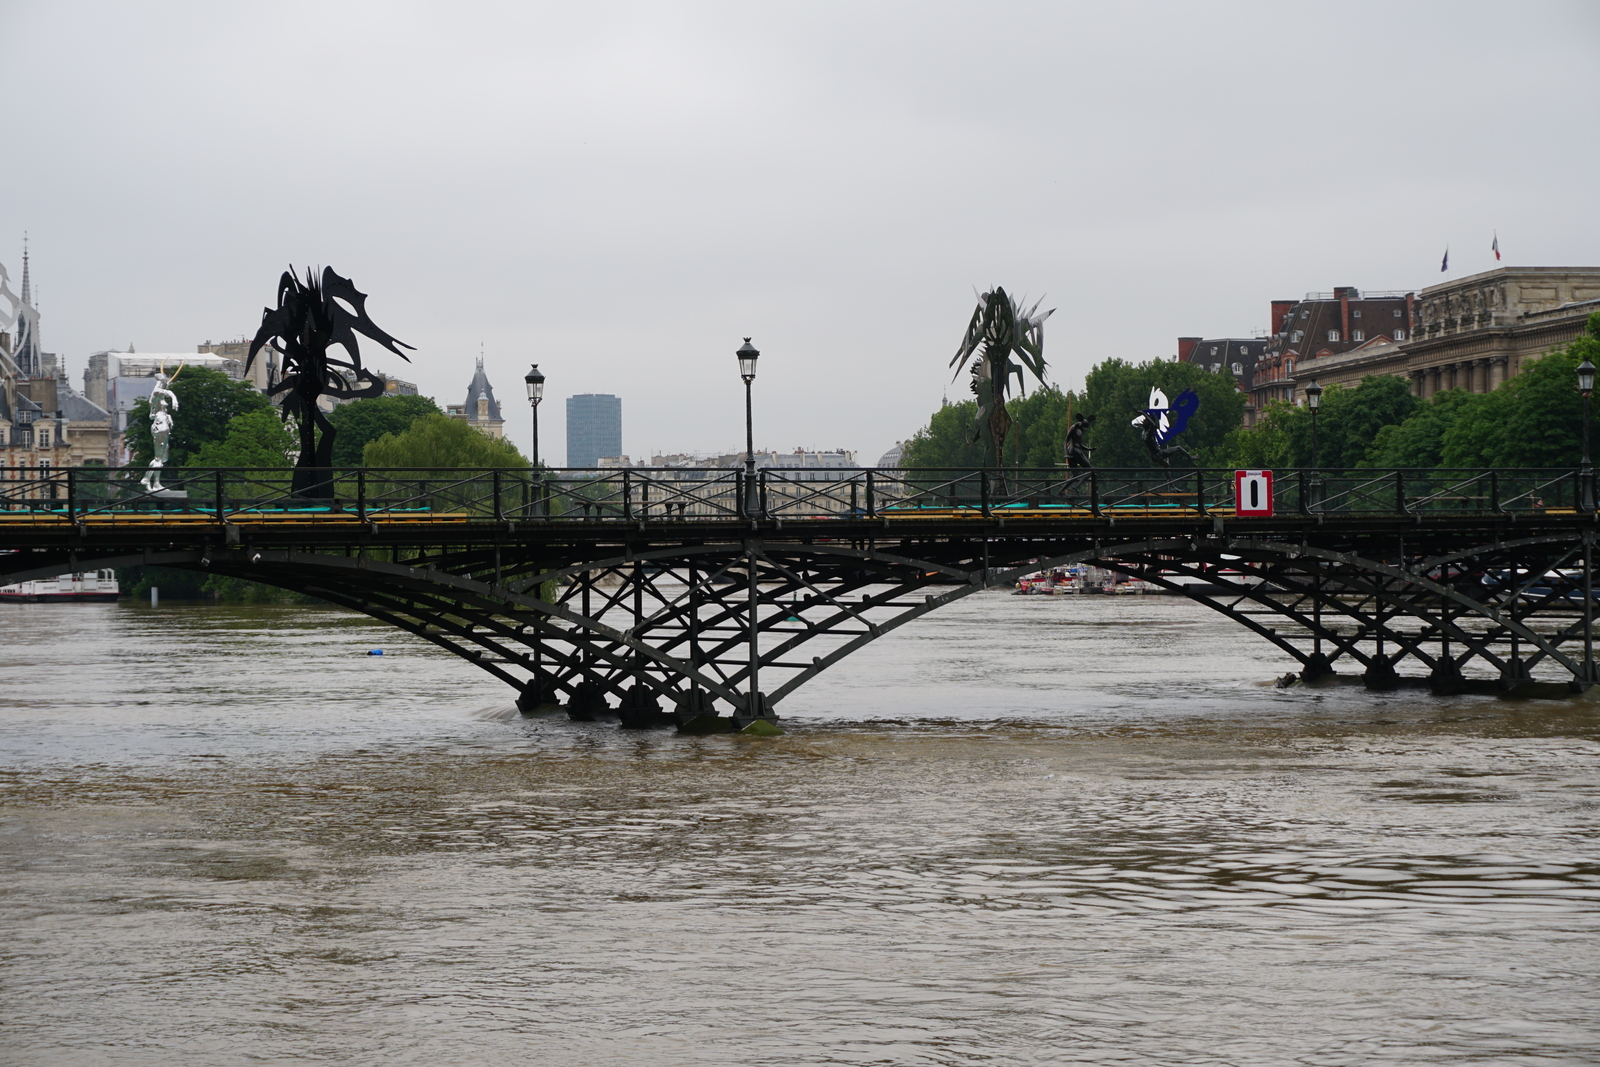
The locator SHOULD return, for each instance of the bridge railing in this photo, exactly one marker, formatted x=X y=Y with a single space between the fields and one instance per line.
x=87 y=494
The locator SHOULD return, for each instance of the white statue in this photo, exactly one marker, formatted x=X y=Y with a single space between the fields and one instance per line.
x=163 y=402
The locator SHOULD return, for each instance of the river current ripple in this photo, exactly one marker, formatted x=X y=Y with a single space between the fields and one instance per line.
x=1022 y=831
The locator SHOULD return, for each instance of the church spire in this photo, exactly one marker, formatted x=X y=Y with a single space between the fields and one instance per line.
x=27 y=294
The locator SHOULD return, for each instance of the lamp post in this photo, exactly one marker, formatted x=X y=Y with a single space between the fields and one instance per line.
x=1586 y=471
x=755 y=705
x=1586 y=483
x=1313 y=404
x=747 y=370
x=535 y=383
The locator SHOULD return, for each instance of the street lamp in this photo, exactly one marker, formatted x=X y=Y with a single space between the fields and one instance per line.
x=747 y=370
x=1586 y=474
x=535 y=383
x=1313 y=402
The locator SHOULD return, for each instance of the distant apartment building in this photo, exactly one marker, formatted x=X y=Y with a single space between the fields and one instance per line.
x=481 y=410
x=594 y=428
x=1233 y=356
x=265 y=371
x=1321 y=326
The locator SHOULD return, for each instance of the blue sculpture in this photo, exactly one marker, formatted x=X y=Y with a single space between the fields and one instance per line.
x=1161 y=421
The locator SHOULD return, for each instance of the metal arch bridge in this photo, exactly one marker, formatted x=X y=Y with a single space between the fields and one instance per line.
x=669 y=596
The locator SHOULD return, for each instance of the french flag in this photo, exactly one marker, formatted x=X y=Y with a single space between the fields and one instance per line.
x=1446 y=264
x=1495 y=248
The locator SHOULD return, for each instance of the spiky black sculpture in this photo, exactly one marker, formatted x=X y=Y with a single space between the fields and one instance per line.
x=310 y=317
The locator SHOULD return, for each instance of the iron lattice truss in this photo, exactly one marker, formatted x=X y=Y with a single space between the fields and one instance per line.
x=664 y=625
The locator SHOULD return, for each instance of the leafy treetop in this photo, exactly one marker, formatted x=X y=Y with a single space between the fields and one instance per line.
x=440 y=441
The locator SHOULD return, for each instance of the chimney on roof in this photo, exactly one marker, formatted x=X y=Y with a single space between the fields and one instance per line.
x=1280 y=312
x=1186 y=347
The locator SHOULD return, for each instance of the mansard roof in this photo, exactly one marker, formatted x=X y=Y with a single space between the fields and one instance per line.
x=78 y=408
x=480 y=387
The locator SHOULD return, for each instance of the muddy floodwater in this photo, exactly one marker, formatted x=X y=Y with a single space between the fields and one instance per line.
x=1019 y=831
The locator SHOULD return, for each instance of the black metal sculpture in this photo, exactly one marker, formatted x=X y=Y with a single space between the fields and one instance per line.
x=1077 y=453
x=1000 y=327
x=310 y=317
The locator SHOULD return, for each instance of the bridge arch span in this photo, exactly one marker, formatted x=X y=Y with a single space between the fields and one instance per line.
x=656 y=629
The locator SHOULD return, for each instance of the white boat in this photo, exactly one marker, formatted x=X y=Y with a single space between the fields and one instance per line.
x=82 y=586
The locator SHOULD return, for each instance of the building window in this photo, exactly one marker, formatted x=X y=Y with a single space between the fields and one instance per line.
x=1294 y=338
x=24 y=436
x=1399 y=335
x=1213 y=350
x=44 y=438
x=1355 y=314
x=1215 y=367
x=1333 y=335
x=1358 y=335
x=1304 y=315
x=1397 y=313
x=1238 y=368
x=1288 y=368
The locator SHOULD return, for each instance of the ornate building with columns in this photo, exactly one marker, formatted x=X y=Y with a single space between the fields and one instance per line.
x=1472 y=333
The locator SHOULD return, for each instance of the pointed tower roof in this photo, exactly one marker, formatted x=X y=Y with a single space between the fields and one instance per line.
x=25 y=351
x=480 y=387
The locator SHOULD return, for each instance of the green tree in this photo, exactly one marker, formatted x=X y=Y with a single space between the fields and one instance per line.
x=1039 y=422
x=208 y=401
x=1268 y=445
x=1533 y=420
x=361 y=421
x=943 y=443
x=440 y=441
x=1349 y=424
x=1116 y=391
x=1350 y=419
x=1418 y=442
x=254 y=439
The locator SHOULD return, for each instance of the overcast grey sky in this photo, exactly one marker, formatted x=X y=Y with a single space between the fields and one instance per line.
x=622 y=191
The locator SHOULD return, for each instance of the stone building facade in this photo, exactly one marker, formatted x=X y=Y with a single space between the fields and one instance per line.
x=1472 y=333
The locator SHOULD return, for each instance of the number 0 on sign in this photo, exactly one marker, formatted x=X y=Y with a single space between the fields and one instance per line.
x=1252 y=493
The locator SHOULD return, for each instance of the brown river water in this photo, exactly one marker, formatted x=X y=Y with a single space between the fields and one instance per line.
x=1020 y=831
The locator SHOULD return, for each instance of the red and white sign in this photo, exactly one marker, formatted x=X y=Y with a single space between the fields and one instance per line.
x=1252 y=493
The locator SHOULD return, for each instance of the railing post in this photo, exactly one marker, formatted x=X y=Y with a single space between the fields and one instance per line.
x=983 y=492
x=872 y=508
x=761 y=494
x=1400 y=492
x=361 y=494
x=1305 y=499
x=217 y=489
x=1200 y=491
x=499 y=512
x=627 y=495
x=1094 y=493
x=1494 y=491
x=72 y=495
x=739 y=498
x=854 y=498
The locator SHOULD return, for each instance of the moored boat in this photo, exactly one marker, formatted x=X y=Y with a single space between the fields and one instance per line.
x=79 y=587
